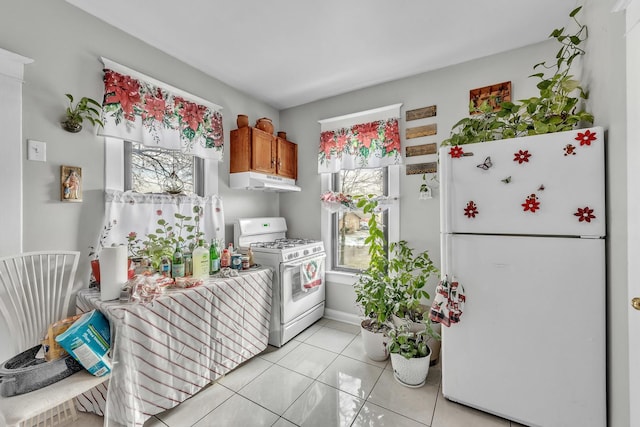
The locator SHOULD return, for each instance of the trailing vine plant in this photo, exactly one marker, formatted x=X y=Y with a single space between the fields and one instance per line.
x=557 y=108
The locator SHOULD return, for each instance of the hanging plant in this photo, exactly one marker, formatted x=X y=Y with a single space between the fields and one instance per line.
x=85 y=109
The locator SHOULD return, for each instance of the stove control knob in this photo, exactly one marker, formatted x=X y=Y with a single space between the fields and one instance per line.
x=306 y=252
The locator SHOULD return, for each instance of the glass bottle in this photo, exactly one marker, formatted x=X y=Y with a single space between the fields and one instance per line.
x=214 y=258
x=200 y=261
x=177 y=268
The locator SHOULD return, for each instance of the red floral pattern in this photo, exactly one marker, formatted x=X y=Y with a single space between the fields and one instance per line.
x=125 y=98
x=521 y=156
x=379 y=139
x=456 y=152
x=471 y=210
x=586 y=137
x=570 y=150
x=585 y=214
x=531 y=203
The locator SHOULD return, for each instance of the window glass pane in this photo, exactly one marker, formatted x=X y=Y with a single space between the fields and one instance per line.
x=350 y=229
x=151 y=167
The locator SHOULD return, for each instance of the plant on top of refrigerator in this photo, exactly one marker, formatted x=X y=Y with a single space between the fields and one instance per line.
x=557 y=108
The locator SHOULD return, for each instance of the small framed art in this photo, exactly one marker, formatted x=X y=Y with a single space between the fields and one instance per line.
x=70 y=184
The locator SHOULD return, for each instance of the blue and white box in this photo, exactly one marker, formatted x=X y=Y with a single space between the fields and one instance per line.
x=88 y=341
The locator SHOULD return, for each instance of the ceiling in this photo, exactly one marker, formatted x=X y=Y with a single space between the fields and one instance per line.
x=291 y=52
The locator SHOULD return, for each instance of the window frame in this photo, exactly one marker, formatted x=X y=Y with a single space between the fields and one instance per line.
x=393 y=224
x=114 y=161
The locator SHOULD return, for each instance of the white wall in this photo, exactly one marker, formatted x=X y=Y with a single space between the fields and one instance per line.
x=66 y=45
x=448 y=89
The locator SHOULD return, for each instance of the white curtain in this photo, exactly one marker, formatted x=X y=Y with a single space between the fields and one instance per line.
x=141 y=109
x=129 y=212
x=368 y=139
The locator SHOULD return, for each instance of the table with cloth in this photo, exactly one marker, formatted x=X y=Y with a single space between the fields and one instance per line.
x=165 y=351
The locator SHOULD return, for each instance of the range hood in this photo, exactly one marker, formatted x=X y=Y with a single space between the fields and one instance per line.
x=261 y=181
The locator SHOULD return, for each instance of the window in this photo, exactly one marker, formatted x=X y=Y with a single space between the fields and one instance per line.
x=150 y=169
x=349 y=228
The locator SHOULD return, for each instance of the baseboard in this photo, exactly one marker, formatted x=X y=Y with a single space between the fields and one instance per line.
x=342 y=316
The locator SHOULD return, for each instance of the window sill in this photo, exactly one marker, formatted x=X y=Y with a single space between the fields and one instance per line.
x=341 y=277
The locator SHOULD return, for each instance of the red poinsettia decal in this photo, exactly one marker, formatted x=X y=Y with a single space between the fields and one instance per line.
x=521 y=156
x=471 y=210
x=586 y=137
x=122 y=89
x=531 y=203
x=570 y=149
x=585 y=214
x=456 y=151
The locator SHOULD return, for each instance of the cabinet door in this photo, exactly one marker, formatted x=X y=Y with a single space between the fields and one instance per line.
x=263 y=152
x=287 y=165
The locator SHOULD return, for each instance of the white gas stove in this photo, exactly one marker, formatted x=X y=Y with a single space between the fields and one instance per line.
x=298 y=284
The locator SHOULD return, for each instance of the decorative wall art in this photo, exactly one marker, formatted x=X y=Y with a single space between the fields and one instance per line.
x=420 y=131
x=70 y=184
x=421 y=168
x=421 y=150
x=493 y=95
x=421 y=113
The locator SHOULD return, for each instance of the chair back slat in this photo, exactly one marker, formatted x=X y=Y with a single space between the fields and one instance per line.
x=35 y=291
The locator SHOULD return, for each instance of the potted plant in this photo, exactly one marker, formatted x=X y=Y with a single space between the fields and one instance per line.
x=556 y=109
x=85 y=109
x=410 y=354
x=372 y=292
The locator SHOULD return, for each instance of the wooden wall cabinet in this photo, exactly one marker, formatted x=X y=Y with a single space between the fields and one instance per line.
x=254 y=150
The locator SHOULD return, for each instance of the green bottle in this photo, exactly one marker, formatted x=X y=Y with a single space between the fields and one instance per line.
x=177 y=268
x=214 y=257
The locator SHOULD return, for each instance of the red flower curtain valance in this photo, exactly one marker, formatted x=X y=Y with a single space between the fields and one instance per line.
x=144 y=111
x=357 y=144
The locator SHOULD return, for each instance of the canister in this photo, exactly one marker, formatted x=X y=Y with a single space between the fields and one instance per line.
x=245 y=262
x=236 y=262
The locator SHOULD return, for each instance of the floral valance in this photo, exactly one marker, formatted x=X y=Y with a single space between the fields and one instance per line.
x=360 y=144
x=153 y=114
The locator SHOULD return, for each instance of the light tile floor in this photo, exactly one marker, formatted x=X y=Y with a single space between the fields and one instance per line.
x=321 y=378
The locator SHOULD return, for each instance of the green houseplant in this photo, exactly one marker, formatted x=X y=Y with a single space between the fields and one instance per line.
x=557 y=108
x=85 y=109
x=390 y=285
x=410 y=354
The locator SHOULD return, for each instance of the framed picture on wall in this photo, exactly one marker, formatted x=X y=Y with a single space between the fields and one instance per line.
x=492 y=95
x=70 y=184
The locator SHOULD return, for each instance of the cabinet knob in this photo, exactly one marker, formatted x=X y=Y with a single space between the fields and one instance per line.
x=635 y=303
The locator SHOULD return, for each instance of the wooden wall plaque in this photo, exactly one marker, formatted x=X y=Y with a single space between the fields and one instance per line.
x=421 y=150
x=493 y=95
x=419 y=131
x=421 y=113
x=420 y=168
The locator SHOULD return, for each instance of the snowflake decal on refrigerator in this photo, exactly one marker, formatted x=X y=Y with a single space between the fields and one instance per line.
x=471 y=210
x=456 y=152
x=586 y=137
x=531 y=203
x=522 y=156
x=585 y=214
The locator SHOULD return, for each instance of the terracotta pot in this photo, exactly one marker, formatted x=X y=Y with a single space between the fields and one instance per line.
x=282 y=135
x=265 y=125
x=95 y=269
x=242 y=121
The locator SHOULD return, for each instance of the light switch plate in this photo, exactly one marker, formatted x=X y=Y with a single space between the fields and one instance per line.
x=36 y=150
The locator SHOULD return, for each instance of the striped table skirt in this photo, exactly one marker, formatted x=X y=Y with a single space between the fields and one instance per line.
x=165 y=351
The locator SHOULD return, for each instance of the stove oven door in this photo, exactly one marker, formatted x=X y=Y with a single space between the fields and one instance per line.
x=303 y=286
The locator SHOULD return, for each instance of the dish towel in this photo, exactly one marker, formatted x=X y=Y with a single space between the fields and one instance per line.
x=449 y=302
x=310 y=274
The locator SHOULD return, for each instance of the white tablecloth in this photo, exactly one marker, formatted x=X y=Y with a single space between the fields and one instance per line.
x=165 y=351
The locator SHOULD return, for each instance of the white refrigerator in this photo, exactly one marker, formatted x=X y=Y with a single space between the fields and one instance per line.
x=523 y=231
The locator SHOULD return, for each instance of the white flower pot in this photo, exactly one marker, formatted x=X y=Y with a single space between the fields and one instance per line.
x=434 y=344
x=410 y=372
x=376 y=344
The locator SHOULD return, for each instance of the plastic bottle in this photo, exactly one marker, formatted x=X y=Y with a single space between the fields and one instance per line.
x=200 y=257
x=214 y=258
x=177 y=266
x=225 y=259
x=230 y=248
x=165 y=266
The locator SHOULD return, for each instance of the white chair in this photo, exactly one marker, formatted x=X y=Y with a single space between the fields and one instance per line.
x=35 y=291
